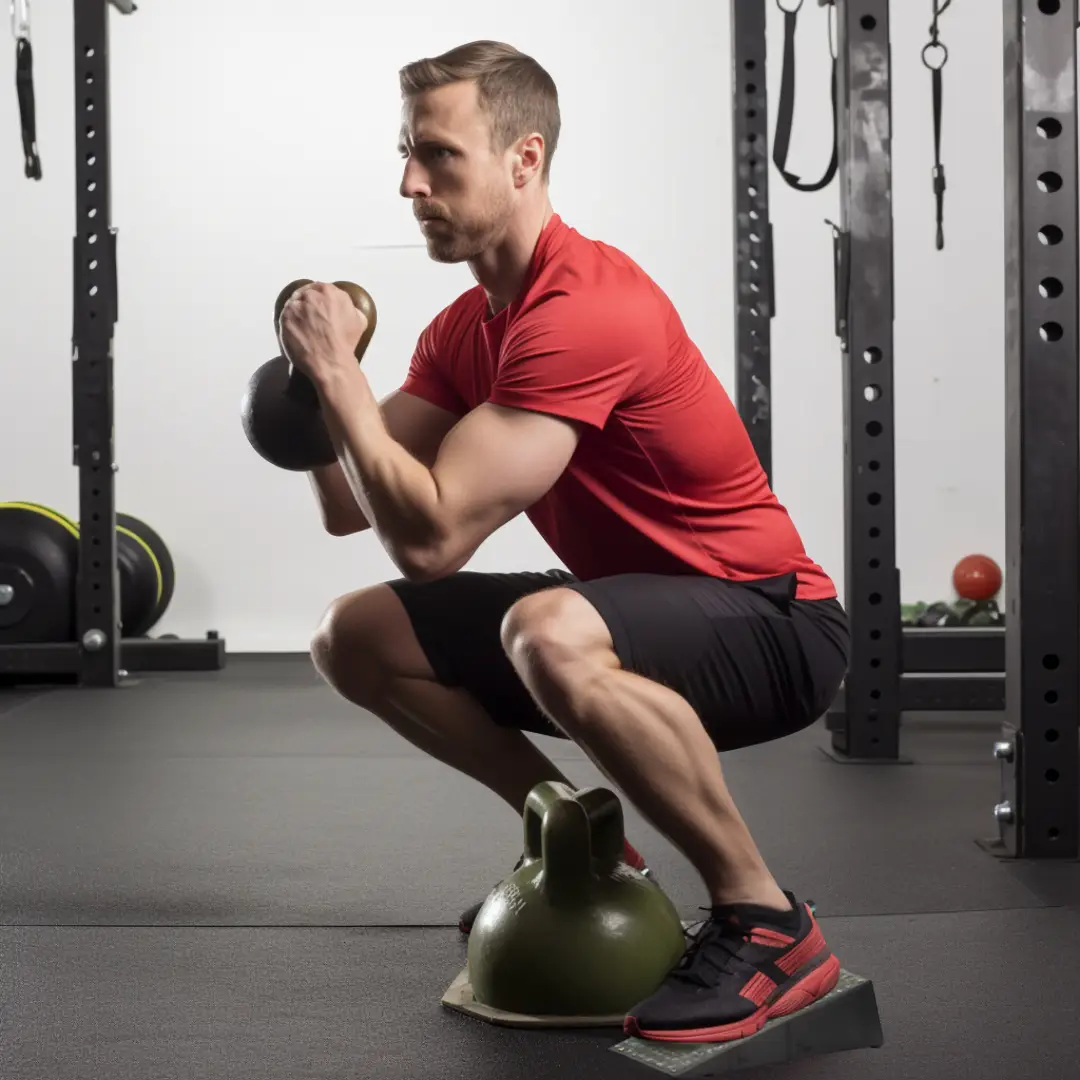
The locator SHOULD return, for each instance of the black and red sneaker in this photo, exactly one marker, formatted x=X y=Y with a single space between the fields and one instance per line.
x=468 y=917
x=746 y=966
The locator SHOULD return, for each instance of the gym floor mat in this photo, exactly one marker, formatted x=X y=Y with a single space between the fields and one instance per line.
x=985 y=995
x=239 y=874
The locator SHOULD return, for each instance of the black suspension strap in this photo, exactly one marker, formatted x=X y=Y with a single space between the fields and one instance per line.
x=935 y=56
x=24 y=85
x=785 y=109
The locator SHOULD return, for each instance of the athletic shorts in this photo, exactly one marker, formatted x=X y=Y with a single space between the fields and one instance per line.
x=753 y=662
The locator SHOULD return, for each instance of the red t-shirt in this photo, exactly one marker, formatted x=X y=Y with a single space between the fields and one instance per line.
x=665 y=479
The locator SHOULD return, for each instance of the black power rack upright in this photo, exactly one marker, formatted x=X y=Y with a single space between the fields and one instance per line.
x=755 y=300
x=99 y=657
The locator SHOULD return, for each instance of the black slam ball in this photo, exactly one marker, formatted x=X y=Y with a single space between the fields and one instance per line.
x=282 y=420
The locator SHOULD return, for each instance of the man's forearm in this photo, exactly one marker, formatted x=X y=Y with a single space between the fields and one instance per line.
x=341 y=513
x=397 y=493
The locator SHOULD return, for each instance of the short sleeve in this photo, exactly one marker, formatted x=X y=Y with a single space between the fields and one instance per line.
x=578 y=356
x=427 y=375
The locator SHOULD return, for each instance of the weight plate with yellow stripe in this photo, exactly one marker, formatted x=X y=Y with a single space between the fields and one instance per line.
x=147 y=575
x=39 y=552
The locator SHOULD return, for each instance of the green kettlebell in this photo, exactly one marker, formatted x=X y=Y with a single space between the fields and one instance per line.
x=575 y=931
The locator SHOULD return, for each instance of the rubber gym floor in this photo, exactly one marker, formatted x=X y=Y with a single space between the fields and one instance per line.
x=237 y=874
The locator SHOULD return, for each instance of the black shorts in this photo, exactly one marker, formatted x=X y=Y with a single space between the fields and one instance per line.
x=754 y=663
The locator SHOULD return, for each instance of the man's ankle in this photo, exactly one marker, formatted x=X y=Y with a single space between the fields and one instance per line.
x=766 y=894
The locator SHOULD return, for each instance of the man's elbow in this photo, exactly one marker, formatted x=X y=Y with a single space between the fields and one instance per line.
x=429 y=563
x=346 y=521
x=344 y=527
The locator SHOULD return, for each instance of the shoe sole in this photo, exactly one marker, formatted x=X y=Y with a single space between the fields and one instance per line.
x=810 y=988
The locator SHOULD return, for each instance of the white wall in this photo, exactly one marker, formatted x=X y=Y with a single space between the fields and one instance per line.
x=253 y=144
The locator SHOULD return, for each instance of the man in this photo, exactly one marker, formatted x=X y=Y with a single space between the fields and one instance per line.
x=690 y=621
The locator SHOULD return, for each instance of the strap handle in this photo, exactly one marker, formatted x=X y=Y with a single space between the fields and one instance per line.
x=24 y=84
x=934 y=57
x=786 y=108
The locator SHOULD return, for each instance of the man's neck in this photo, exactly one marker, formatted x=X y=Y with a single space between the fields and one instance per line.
x=501 y=271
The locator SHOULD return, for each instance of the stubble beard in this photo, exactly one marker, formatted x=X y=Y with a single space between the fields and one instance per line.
x=451 y=241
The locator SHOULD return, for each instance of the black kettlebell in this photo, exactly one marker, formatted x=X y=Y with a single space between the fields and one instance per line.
x=280 y=409
x=938 y=614
x=980 y=613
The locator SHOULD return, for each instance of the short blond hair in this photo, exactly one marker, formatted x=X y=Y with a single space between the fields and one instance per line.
x=516 y=92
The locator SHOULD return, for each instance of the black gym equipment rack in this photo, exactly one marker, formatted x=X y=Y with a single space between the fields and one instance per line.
x=1039 y=813
x=869 y=726
x=1030 y=667
x=98 y=657
x=755 y=295
x=894 y=669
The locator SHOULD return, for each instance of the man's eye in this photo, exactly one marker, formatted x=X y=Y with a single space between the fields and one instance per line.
x=432 y=152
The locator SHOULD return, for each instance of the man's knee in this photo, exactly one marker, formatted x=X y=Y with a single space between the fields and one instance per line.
x=364 y=639
x=548 y=633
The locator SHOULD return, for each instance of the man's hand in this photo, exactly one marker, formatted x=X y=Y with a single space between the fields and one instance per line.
x=320 y=329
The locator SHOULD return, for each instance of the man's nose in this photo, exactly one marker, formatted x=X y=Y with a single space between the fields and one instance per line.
x=414 y=181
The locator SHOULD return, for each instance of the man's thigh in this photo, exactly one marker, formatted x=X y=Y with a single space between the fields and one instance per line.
x=754 y=668
x=458 y=621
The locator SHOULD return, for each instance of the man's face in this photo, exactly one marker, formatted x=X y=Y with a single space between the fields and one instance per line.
x=462 y=192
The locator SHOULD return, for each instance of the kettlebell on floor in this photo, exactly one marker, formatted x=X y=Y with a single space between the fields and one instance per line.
x=575 y=931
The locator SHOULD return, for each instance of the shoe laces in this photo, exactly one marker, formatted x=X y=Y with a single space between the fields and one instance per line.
x=714 y=944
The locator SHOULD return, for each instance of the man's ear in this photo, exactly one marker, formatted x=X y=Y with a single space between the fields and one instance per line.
x=528 y=158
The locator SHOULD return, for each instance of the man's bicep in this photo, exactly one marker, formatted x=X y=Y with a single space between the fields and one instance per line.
x=497 y=462
x=417 y=424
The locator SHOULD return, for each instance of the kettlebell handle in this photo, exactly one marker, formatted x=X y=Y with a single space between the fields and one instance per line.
x=299 y=387
x=577 y=834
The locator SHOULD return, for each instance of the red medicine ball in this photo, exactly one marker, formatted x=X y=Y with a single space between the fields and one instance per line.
x=976 y=577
